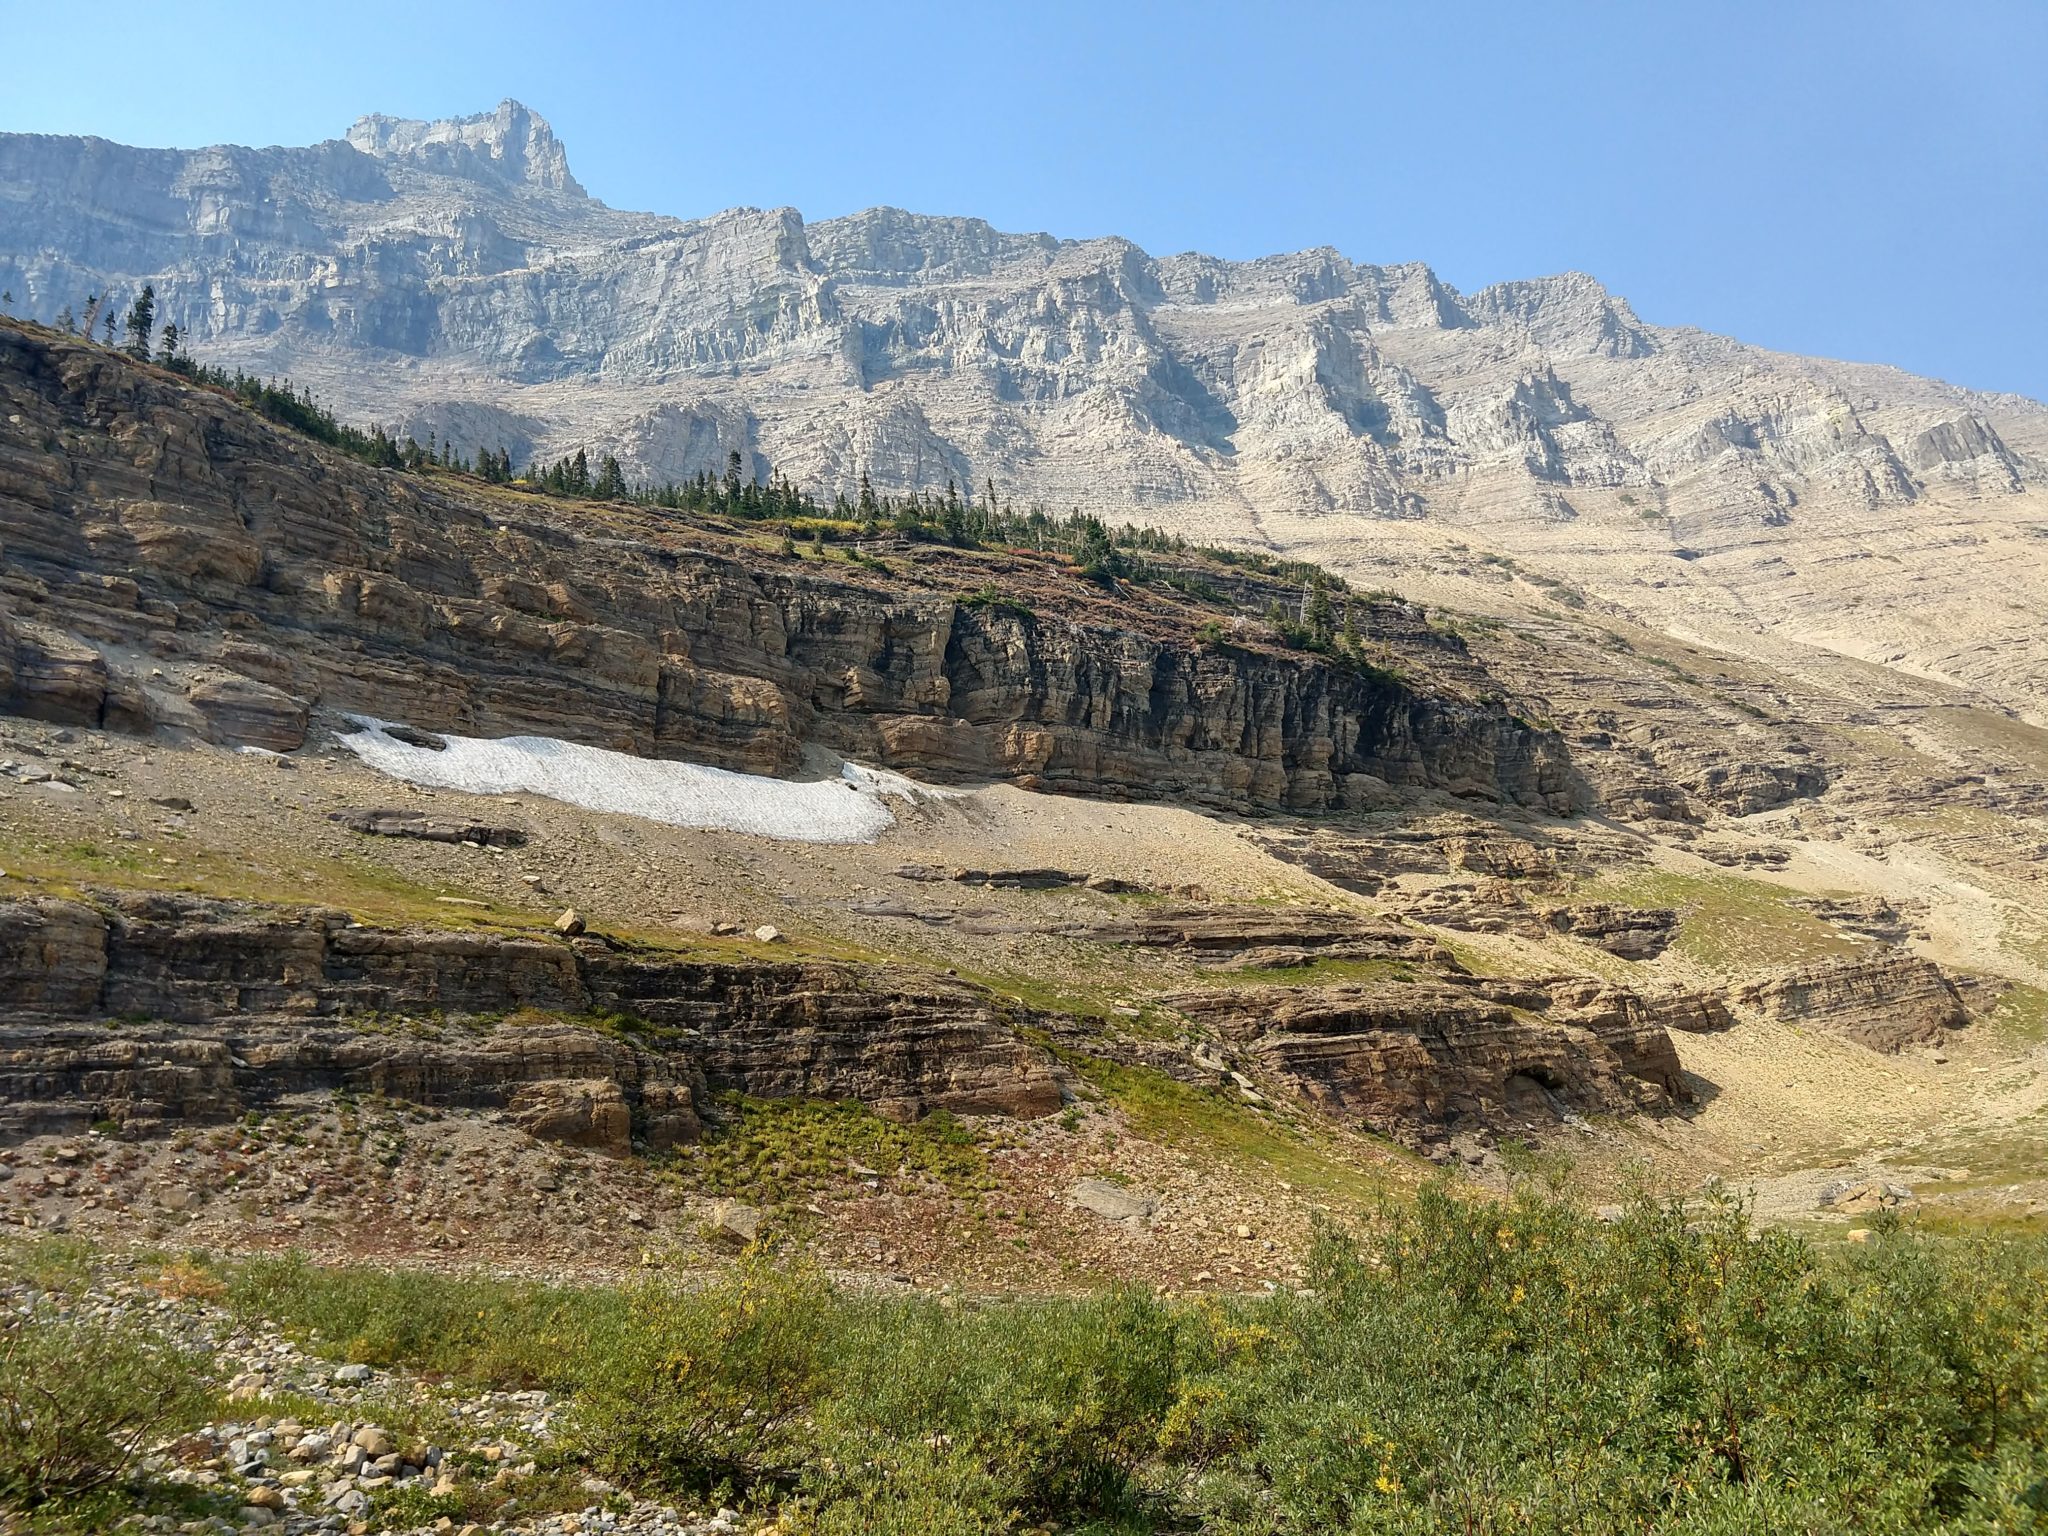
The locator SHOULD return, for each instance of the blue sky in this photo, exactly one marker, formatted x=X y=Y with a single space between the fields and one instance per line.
x=1865 y=180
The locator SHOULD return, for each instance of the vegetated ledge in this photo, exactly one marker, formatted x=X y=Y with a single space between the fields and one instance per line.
x=144 y=1008
x=217 y=1007
x=176 y=561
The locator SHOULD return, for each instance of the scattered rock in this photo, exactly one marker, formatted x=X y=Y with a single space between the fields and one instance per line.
x=733 y=1222
x=428 y=828
x=1113 y=1201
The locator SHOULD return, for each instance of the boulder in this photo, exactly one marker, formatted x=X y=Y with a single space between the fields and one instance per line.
x=1113 y=1201
x=577 y=1112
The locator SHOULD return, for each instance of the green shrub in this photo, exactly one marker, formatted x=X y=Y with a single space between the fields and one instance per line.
x=701 y=1391
x=1046 y=1410
x=80 y=1401
x=1519 y=1366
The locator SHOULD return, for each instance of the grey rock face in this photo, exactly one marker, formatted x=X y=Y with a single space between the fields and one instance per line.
x=453 y=278
x=912 y=348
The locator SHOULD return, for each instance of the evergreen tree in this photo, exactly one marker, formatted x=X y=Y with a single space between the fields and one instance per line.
x=1317 y=615
x=733 y=465
x=579 y=474
x=107 y=325
x=167 y=354
x=611 y=484
x=92 y=314
x=954 y=518
x=65 y=322
x=141 y=322
x=1350 y=636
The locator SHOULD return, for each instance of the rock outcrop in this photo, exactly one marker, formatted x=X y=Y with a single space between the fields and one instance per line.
x=151 y=1008
x=1430 y=1059
x=1634 y=933
x=1887 y=1002
x=430 y=829
x=175 y=560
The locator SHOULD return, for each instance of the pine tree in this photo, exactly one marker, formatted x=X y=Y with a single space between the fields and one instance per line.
x=107 y=325
x=167 y=354
x=954 y=519
x=1317 y=616
x=1350 y=636
x=579 y=474
x=141 y=322
x=92 y=314
x=611 y=483
x=65 y=322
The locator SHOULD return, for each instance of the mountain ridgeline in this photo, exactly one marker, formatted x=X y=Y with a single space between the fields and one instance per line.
x=453 y=281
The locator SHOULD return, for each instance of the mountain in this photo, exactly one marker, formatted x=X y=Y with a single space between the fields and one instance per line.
x=617 y=999
x=454 y=278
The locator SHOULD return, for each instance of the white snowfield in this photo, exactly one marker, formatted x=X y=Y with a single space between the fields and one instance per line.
x=851 y=808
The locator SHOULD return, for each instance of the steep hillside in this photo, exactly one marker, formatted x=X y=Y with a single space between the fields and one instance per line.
x=454 y=278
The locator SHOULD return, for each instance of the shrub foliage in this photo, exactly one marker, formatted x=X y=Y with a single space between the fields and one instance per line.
x=1465 y=1366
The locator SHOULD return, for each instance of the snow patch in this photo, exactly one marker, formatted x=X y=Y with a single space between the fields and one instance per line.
x=851 y=808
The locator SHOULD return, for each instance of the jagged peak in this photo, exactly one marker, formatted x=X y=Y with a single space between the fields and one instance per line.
x=511 y=143
x=1573 y=311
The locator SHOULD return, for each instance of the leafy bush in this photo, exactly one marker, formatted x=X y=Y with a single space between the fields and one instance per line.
x=1047 y=1410
x=80 y=1401
x=1519 y=1366
x=702 y=1391
x=1467 y=1366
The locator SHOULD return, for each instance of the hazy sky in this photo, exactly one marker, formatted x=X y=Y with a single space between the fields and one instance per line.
x=1864 y=180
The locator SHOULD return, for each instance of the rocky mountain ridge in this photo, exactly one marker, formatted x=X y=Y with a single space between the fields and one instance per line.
x=454 y=279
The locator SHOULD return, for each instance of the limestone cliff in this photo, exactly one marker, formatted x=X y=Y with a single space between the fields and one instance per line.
x=453 y=277
x=176 y=562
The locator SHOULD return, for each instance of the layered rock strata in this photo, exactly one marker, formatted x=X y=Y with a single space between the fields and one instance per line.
x=175 y=561
x=1886 y=1002
x=1420 y=1061
x=150 y=1007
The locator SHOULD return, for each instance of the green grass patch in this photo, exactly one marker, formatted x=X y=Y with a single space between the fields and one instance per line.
x=1727 y=922
x=776 y=1151
x=2021 y=1015
x=1219 y=1125
x=1312 y=973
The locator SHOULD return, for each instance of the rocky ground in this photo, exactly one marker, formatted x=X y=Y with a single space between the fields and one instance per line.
x=1782 y=1104
x=318 y=1440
